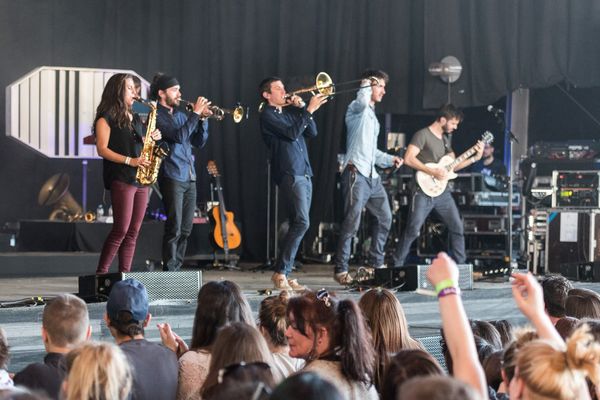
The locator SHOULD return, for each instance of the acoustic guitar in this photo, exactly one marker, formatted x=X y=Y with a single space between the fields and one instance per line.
x=434 y=187
x=225 y=233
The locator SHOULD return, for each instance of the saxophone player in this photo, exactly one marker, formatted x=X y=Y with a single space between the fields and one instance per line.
x=119 y=140
x=182 y=131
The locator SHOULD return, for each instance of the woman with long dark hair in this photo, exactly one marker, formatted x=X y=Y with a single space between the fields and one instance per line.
x=119 y=141
x=333 y=338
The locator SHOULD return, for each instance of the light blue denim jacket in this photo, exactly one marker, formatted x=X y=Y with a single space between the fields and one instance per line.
x=362 y=131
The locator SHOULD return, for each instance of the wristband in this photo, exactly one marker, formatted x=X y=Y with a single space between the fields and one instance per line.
x=127 y=160
x=446 y=283
x=448 y=291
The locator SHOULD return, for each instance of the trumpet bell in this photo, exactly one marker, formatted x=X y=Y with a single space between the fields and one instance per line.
x=238 y=114
x=324 y=84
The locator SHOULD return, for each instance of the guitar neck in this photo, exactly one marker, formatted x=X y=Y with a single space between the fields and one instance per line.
x=219 y=189
x=461 y=158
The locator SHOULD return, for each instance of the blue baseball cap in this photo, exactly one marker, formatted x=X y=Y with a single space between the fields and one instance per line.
x=128 y=295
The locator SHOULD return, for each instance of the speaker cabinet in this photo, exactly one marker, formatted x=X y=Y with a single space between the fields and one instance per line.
x=571 y=238
x=411 y=277
x=180 y=285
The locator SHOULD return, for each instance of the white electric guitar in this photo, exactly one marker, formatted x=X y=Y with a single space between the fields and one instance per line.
x=434 y=187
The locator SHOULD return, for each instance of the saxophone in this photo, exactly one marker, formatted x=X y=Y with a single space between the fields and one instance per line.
x=147 y=175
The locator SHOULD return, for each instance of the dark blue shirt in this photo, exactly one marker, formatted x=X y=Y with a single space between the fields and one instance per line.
x=284 y=132
x=181 y=130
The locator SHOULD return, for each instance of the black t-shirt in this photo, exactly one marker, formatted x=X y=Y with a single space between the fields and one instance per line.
x=128 y=142
x=47 y=376
x=155 y=370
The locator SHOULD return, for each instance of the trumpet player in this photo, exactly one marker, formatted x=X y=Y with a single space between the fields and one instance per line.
x=181 y=130
x=119 y=140
x=284 y=130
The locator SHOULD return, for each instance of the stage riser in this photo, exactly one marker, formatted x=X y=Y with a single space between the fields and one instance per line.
x=18 y=264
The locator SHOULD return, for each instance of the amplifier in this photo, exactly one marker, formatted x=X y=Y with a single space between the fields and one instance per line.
x=411 y=277
x=584 y=271
x=571 y=237
x=484 y=223
x=180 y=285
x=576 y=189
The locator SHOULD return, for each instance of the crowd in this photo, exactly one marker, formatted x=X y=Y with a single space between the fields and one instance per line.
x=314 y=345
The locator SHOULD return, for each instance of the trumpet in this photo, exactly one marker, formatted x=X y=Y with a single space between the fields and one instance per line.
x=237 y=113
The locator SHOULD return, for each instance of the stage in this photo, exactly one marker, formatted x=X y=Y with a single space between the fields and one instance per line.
x=489 y=300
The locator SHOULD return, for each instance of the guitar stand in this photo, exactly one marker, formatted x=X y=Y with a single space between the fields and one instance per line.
x=226 y=261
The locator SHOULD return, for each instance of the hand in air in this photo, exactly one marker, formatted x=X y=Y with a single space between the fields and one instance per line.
x=171 y=340
x=442 y=268
x=528 y=295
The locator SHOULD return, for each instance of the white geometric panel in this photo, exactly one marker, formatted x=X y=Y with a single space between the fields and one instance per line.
x=51 y=109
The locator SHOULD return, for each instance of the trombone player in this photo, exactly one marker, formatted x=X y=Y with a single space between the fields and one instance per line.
x=285 y=122
x=361 y=185
x=182 y=131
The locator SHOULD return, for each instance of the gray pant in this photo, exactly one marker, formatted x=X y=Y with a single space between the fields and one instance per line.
x=180 y=203
x=421 y=207
x=360 y=192
x=297 y=192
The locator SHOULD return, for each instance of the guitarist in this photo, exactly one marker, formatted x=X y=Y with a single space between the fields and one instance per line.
x=429 y=145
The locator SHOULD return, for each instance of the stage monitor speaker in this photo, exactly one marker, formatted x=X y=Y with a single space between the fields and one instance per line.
x=583 y=271
x=411 y=277
x=433 y=345
x=180 y=285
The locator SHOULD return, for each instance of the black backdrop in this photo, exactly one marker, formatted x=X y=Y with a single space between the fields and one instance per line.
x=222 y=49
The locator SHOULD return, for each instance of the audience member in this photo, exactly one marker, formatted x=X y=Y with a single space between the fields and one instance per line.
x=565 y=326
x=509 y=359
x=97 y=371
x=443 y=275
x=333 y=337
x=436 y=388
x=407 y=364
x=6 y=381
x=555 y=289
x=548 y=369
x=492 y=367
x=153 y=366
x=238 y=343
x=22 y=393
x=241 y=381
x=272 y=323
x=582 y=305
x=219 y=303
x=486 y=331
x=389 y=329
x=306 y=386
x=65 y=324
x=505 y=329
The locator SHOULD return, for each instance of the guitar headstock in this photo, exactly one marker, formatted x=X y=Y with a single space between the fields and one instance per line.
x=212 y=169
x=487 y=137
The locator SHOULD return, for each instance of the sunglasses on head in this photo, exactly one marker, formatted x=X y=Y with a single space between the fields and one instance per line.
x=323 y=295
x=224 y=372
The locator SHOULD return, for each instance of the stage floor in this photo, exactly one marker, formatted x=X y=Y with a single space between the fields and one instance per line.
x=489 y=300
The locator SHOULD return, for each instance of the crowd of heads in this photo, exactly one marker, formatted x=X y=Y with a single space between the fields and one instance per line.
x=368 y=339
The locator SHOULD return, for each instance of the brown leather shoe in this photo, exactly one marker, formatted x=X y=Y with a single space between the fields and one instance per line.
x=280 y=281
x=343 y=278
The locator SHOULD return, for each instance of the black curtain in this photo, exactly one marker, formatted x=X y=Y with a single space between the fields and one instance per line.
x=222 y=49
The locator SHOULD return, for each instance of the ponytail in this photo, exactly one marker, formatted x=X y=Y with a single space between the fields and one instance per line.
x=356 y=351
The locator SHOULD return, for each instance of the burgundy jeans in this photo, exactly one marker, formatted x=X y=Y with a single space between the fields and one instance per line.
x=129 y=207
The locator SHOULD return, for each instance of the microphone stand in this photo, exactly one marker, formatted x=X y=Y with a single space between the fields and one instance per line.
x=511 y=139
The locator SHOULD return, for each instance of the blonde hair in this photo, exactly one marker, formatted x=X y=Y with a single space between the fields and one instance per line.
x=97 y=371
x=389 y=329
x=552 y=371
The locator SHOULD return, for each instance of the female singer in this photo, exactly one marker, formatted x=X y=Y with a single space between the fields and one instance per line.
x=119 y=141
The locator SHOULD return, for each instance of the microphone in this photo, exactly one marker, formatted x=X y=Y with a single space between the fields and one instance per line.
x=496 y=111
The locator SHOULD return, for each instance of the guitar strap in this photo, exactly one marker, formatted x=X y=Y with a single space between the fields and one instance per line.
x=447 y=138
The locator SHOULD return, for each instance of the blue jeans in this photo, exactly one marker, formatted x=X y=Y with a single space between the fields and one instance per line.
x=297 y=192
x=179 y=199
x=421 y=207
x=360 y=192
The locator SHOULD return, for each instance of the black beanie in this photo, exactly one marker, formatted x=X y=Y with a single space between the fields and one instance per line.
x=165 y=81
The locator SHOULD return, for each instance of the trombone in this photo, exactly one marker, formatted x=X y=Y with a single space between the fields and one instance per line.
x=237 y=113
x=324 y=85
